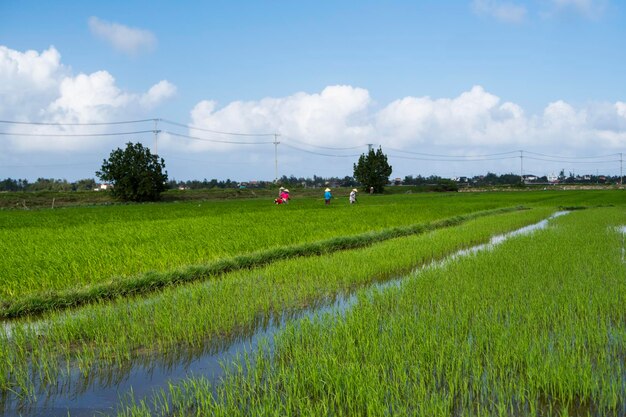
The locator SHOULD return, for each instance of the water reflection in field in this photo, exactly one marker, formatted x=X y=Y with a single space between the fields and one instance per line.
x=100 y=389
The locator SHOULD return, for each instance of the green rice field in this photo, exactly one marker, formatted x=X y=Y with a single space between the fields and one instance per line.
x=532 y=326
x=535 y=327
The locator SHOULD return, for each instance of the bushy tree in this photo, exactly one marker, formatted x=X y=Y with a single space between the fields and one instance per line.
x=84 y=184
x=135 y=173
x=10 y=184
x=372 y=170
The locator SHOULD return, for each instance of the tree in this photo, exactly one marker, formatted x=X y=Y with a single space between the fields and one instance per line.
x=372 y=170
x=135 y=173
x=85 y=184
x=9 y=184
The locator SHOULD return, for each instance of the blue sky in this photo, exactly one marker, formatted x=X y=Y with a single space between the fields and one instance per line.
x=455 y=79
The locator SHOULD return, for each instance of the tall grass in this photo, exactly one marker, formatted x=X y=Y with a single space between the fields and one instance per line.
x=56 y=250
x=56 y=300
x=534 y=328
x=208 y=313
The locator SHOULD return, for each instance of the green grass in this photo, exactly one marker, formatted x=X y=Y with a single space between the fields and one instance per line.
x=537 y=327
x=90 y=336
x=38 y=303
x=71 y=248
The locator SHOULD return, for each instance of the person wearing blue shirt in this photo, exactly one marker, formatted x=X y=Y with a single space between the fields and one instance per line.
x=327 y=196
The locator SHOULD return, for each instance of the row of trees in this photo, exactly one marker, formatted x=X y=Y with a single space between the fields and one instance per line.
x=88 y=184
x=46 y=184
x=138 y=175
x=287 y=181
x=491 y=179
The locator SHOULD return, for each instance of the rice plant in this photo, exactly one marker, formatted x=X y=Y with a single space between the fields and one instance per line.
x=90 y=337
x=534 y=328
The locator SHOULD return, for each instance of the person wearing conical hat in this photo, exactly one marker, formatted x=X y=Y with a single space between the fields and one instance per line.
x=327 y=196
x=353 y=196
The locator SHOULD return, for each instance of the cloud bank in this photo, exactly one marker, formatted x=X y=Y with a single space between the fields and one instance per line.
x=37 y=87
x=130 y=41
x=343 y=116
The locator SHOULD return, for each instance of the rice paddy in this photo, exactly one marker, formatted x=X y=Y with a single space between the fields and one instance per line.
x=533 y=327
x=522 y=330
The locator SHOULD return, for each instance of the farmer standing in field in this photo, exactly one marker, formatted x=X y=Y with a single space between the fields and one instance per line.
x=327 y=196
x=285 y=196
x=353 y=196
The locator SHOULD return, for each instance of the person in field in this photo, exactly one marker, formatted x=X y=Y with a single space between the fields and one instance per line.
x=327 y=196
x=285 y=195
x=353 y=196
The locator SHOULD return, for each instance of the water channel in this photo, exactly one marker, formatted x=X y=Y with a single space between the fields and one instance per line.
x=103 y=389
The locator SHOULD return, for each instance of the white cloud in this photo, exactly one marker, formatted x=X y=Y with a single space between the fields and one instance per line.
x=28 y=80
x=587 y=8
x=158 y=93
x=474 y=121
x=128 y=40
x=591 y=9
x=473 y=118
x=337 y=114
x=37 y=87
x=29 y=69
x=504 y=11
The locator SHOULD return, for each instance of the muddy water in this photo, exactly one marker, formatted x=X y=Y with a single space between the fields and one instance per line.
x=103 y=389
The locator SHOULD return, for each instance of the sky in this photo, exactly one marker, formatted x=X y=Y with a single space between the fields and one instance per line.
x=251 y=90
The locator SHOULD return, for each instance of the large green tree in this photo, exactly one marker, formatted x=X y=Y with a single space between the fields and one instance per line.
x=372 y=170
x=135 y=173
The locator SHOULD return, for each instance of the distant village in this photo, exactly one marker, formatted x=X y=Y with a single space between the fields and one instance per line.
x=434 y=182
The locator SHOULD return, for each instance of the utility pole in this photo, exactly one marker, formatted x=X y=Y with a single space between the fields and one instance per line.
x=620 y=170
x=276 y=142
x=521 y=169
x=156 y=132
x=369 y=147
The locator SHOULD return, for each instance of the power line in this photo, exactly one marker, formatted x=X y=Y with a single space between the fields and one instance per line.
x=572 y=162
x=453 y=160
x=214 y=131
x=205 y=162
x=216 y=140
x=572 y=157
x=75 y=124
x=325 y=147
x=451 y=156
x=75 y=134
x=318 y=153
